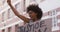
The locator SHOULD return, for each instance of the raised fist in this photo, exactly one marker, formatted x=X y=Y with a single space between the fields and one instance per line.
x=9 y=1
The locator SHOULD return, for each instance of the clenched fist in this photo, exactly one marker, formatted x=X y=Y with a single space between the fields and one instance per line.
x=9 y=2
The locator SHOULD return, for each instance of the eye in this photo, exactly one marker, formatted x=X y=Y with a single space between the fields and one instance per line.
x=30 y=12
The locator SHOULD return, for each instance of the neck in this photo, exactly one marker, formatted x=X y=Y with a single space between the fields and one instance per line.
x=35 y=19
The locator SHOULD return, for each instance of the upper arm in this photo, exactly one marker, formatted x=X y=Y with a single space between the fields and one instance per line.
x=26 y=20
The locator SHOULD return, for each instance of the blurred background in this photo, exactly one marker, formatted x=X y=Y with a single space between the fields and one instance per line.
x=9 y=22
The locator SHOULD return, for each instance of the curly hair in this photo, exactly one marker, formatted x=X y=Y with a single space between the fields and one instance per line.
x=35 y=9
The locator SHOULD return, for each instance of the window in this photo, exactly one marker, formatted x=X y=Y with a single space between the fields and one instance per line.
x=0 y=9
x=54 y=18
x=54 y=12
x=13 y=1
x=0 y=17
x=3 y=14
x=37 y=1
x=3 y=1
x=16 y=28
x=10 y=13
x=17 y=6
x=4 y=24
x=9 y=29
x=32 y=0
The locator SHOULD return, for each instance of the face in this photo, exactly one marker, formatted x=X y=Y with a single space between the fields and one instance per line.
x=32 y=14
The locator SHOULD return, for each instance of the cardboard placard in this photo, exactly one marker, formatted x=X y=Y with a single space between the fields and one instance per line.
x=39 y=26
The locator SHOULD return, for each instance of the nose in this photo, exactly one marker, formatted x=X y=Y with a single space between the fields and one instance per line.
x=30 y=15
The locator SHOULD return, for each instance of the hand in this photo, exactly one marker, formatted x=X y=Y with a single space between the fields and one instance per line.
x=9 y=1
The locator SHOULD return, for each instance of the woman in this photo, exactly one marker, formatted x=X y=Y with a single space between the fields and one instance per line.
x=34 y=12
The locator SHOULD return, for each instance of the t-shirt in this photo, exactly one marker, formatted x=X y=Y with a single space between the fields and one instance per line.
x=31 y=22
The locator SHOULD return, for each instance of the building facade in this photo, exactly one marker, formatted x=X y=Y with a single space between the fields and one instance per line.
x=9 y=22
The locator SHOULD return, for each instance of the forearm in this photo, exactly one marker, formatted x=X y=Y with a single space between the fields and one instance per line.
x=14 y=9
x=17 y=13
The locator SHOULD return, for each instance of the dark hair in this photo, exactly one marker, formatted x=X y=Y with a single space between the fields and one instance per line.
x=35 y=9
